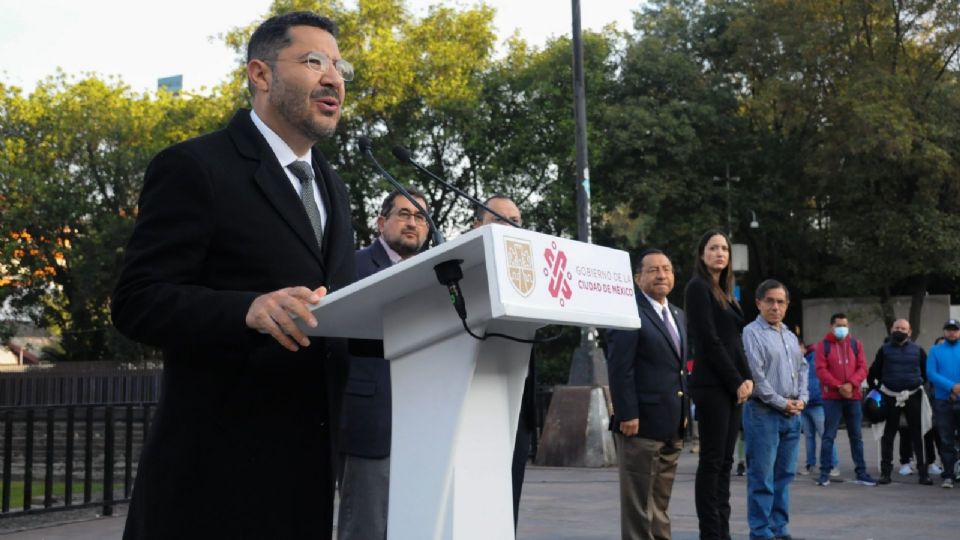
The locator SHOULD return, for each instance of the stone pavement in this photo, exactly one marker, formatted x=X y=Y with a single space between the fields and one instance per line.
x=582 y=504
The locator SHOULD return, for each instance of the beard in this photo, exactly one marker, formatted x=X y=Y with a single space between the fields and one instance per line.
x=289 y=102
x=404 y=246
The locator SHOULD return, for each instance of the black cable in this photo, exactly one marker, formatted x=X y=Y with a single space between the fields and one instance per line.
x=456 y=297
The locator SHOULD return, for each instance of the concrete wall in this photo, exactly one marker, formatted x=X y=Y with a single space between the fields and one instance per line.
x=866 y=319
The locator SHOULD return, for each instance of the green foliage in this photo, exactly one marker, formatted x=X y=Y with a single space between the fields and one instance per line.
x=851 y=105
x=72 y=157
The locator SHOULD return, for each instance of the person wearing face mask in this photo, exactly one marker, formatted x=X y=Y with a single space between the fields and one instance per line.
x=943 y=368
x=899 y=371
x=841 y=368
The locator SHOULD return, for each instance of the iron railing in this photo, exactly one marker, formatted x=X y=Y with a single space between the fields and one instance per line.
x=80 y=383
x=88 y=455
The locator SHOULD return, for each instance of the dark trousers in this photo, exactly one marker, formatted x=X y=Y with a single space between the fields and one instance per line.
x=852 y=413
x=719 y=421
x=911 y=410
x=948 y=426
x=931 y=446
x=364 y=499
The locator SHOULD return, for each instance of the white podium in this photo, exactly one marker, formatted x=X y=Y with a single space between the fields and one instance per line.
x=456 y=399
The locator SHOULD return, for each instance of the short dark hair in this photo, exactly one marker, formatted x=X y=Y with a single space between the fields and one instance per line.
x=769 y=285
x=835 y=316
x=638 y=263
x=479 y=211
x=273 y=35
x=387 y=206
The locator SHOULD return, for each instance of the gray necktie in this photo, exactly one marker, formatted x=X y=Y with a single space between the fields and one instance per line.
x=670 y=329
x=304 y=172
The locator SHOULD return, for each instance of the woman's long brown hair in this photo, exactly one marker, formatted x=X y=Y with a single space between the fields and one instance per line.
x=723 y=287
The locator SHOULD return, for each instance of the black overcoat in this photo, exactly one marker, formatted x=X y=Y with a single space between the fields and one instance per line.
x=241 y=444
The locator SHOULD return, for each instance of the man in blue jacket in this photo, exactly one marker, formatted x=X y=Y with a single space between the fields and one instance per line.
x=366 y=416
x=943 y=369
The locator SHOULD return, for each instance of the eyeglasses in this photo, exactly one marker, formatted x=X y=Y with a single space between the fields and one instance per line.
x=320 y=63
x=405 y=215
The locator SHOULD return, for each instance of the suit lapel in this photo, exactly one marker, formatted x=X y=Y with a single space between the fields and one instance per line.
x=336 y=243
x=272 y=180
x=321 y=183
x=659 y=324
x=275 y=185
x=379 y=255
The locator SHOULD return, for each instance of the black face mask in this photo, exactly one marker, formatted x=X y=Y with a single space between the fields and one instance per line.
x=898 y=336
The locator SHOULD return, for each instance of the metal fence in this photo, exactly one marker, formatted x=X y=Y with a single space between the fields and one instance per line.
x=70 y=456
x=80 y=383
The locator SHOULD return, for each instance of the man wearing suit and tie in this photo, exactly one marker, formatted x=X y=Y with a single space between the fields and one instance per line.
x=367 y=411
x=238 y=231
x=648 y=387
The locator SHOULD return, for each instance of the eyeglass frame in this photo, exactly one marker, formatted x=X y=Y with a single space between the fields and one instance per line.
x=311 y=58
x=404 y=215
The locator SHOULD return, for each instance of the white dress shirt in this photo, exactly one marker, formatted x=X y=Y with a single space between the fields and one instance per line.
x=286 y=156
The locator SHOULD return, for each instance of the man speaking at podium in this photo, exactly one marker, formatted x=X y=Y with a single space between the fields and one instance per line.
x=237 y=231
x=367 y=410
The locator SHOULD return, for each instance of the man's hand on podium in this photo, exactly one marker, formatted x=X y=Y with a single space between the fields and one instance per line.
x=273 y=313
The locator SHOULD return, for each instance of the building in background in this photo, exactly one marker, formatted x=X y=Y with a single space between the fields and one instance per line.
x=172 y=84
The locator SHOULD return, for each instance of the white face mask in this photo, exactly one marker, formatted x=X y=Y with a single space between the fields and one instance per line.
x=840 y=331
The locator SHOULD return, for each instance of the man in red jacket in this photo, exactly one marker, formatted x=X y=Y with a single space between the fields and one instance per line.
x=841 y=368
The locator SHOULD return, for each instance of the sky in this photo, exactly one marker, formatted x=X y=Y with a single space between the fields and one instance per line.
x=141 y=41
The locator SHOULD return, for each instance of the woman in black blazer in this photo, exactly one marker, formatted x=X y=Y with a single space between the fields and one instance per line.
x=720 y=381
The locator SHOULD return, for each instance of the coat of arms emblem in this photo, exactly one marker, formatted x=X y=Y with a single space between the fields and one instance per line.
x=520 y=265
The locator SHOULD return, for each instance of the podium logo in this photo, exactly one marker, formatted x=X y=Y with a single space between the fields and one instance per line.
x=520 y=265
x=556 y=270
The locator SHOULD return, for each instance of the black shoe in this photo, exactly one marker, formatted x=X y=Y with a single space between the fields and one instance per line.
x=741 y=468
x=925 y=480
x=885 y=479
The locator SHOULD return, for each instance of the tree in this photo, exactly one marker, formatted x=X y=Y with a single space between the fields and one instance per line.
x=850 y=102
x=671 y=127
x=72 y=158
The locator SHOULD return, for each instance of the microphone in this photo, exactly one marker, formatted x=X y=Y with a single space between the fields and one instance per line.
x=404 y=156
x=366 y=148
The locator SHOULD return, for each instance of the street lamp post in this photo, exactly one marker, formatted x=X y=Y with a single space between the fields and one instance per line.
x=587 y=367
x=728 y=179
x=575 y=432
